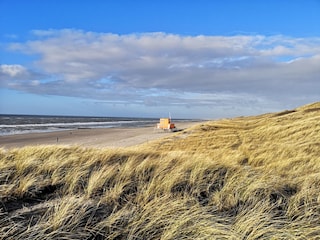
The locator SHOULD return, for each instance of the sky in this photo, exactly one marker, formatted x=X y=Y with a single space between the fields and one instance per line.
x=204 y=59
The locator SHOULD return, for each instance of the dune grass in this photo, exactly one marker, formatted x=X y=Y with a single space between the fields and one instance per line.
x=243 y=178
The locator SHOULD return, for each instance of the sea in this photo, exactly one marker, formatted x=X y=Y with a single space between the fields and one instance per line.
x=21 y=124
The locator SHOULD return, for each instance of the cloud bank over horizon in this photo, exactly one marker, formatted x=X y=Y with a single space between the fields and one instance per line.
x=250 y=72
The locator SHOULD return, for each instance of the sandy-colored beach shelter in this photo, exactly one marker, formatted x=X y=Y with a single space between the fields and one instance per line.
x=165 y=124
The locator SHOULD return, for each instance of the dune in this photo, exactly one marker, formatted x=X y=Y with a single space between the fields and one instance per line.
x=254 y=177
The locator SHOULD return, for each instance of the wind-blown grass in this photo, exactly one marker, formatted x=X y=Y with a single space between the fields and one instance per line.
x=242 y=178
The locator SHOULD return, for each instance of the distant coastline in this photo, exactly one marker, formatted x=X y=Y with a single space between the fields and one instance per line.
x=24 y=124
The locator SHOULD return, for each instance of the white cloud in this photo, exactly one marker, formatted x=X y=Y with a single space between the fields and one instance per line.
x=12 y=71
x=159 y=68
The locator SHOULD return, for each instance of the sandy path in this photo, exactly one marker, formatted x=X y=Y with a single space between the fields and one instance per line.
x=109 y=137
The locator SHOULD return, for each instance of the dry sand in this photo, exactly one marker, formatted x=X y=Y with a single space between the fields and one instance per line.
x=101 y=137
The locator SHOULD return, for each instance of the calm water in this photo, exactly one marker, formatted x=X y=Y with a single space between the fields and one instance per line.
x=19 y=124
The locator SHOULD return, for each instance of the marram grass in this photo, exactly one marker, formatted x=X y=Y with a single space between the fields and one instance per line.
x=242 y=178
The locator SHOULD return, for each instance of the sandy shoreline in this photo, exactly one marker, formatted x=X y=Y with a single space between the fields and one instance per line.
x=99 y=137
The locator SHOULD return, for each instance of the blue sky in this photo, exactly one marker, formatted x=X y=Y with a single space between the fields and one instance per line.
x=194 y=59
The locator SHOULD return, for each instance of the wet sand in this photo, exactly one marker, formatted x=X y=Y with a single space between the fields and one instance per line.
x=101 y=137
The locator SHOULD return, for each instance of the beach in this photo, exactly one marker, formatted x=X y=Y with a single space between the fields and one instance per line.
x=93 y=137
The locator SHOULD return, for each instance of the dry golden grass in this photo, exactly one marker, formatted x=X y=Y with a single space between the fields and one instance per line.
x=242 y=178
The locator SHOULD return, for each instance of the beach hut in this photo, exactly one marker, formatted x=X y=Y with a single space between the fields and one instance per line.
x=166 y=124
